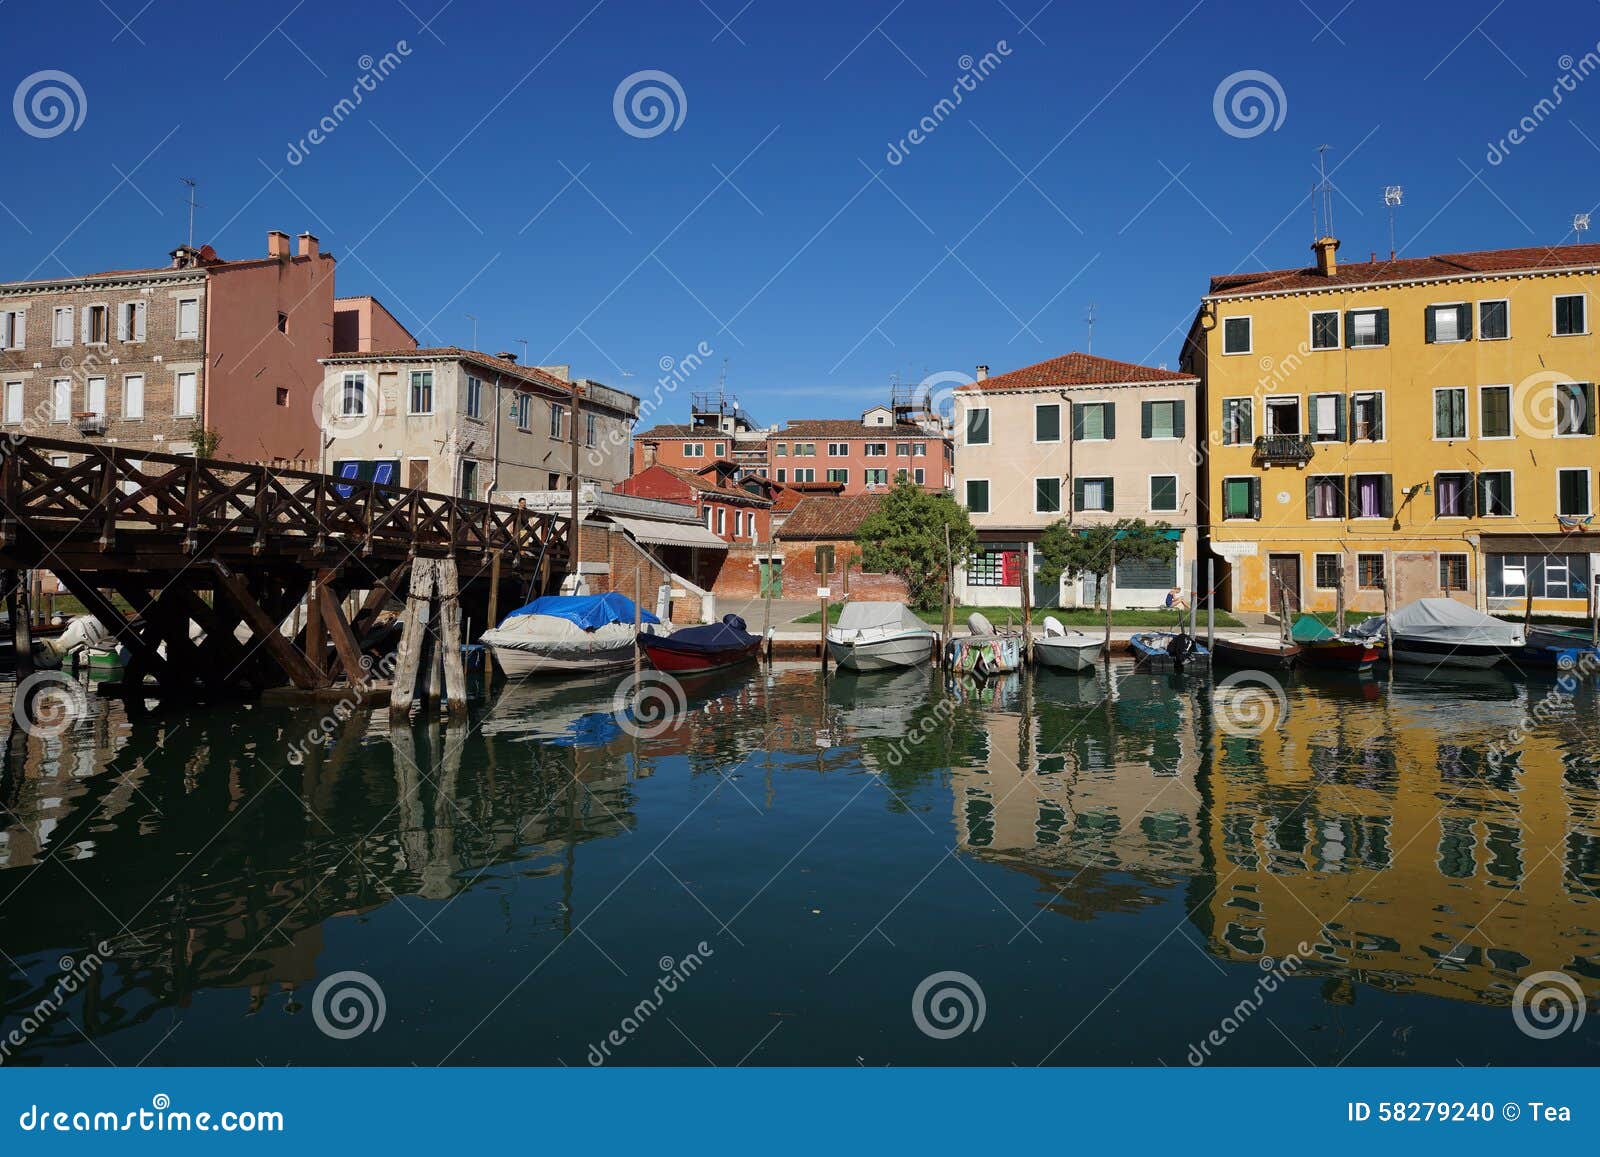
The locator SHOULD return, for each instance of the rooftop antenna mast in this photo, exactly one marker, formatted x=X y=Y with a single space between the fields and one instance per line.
x=192 y=183
x=1580 y=224
x=1393 y=197
x=1325 y=190
x=523 y=342
x=474 y=320
x=1089 y=317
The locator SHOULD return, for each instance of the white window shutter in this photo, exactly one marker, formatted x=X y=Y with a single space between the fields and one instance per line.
x=138 y=321
x=83 y=325
x=20 y=336
x=122 y=323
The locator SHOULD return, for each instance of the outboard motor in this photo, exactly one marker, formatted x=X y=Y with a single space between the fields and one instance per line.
x=1179 y=648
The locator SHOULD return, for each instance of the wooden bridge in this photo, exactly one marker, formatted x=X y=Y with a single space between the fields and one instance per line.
x=240 y=576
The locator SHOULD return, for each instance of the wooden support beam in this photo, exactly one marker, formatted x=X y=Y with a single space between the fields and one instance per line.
x=316 y=636
x=20 y=609
x=294 y=664
x=113 y=620
x=344 y=639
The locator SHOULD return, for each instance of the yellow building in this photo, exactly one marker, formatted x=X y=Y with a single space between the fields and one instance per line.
x=1426 y=422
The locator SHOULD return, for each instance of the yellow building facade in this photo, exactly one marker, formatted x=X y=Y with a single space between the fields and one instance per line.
x=1425 y=424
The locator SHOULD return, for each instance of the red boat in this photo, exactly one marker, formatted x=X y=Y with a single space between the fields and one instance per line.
x=695 y=650
x=1320 y=647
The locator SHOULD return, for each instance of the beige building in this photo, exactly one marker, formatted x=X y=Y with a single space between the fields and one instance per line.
x=1080 y=438
x=463 y=422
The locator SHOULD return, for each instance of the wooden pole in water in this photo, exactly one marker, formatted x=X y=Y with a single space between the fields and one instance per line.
x=638 y=620
x=822 y=627
x=1527 y=602
x=1388 y=605
x=1338 y=614
x=1023 y=583
x=1594 y=614
x=1110 y=570
x=764 y=576
x=1194 y=594
x=1211 y=602
x=949 y=616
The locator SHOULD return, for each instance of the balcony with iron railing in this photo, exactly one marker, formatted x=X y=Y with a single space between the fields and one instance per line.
x=1284 y=450
x=89 y=422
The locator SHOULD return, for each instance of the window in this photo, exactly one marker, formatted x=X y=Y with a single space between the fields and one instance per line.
x=1574 y=411
x=130 y=321
x=1369 y=572
x=1161 y=419
x=1093 y=494
x=1450 y=412
x=421 y=393
x=469 y=478
x=1324 y=496
x=1164 y=492
x=994 y=568
x=474 y=398
x=919 y=475
x=722 y=520
x=1325 y=329
x=1452 y=572
x=1447 y=323
x=1494 y=412
x=978 y=427
x=835 y=449
x=1364 y=328
x=1047 y=423
x=902 y=449
x=61 y=400
x=283 y=322
x=1094 y=422
x=522 y=411
x=710 y=512
x=839 y=476
x=13 y=329
x=1366 y=417
x=1326 y=568
x=1551 y=576
x=1494 y=493
x=187 y=396
x=1452 y=495
x=872 y=477
x=1494 y=320
x=1238 y=421
x=881 y=449
x=823 y=560
x=133 y=396
x=1236 y=335
x=96 y=397
x=781 y=450
x=782 y=474
x=978 y=495
x=281 y=396
x=919 y=449
x=720 y=450
x=96 y=324
x=1572 y=492
x=1283 y=416
x=1571 y=314
x=698 y=450
x=590 y=429
x=558 y=414
x=1326 y=417
x=1371 y=496
x=13 y=403
x=61 y=326
x=353 y=396
x=1047 y=496
x=1241 y=498
x=809 y=474
x=189 y=318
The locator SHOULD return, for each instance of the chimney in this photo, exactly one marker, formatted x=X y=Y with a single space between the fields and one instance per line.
x=649 y=453
x=277 y=243
x=506 y=356
x=308 y=245
x=1324 y=248
x=982 y=374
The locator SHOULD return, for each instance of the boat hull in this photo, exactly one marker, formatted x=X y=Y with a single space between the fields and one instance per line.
x=1150 y=648
x=1253 y=657
x=985 y=654
x=681 y=660
x=1340 y=655
x=1063 y=656
x=519 y=662
x=1471 y=656
x=883 y=654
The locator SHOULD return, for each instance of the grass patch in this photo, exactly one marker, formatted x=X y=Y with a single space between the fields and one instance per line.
x=1076 y=617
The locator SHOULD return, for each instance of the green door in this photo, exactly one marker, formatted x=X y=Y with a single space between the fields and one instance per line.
x=772 y=578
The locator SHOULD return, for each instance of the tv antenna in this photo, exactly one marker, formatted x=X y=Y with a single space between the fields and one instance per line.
x=193 y=184
x=1088 y=318
x=1393 y=197
x=473 y=318
x=523 y=342
x=1325 y=190
x=1580 y=223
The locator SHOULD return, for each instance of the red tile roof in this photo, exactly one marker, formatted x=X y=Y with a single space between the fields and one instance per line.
x=667 y=431
x=1077 y=369
x=1528 y=260
x=847 y=428
x=833 y=517
x=439 y=353
x=702 y=483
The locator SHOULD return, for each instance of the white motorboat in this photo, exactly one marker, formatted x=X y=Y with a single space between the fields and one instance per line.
x=1444 y=633
x=880 y=637
x=561 y=634
x=1066 y=650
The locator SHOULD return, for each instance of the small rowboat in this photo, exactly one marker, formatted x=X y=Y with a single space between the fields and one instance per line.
x=1166 y=651
x=1254 y=652
x=1321 y=647
x=1066 y=650
x=695 y=650
x=985 y=652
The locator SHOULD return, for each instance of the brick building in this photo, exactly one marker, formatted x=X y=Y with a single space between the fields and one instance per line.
x=362 y=325
x=202 y=350
x=734 y=507
x=816 y=546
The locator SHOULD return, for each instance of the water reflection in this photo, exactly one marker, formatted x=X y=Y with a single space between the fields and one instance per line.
x=1369 y=823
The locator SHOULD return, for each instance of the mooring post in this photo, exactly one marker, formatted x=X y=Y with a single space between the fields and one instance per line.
x=455 y=674
x=17 y=606
x=408 y=659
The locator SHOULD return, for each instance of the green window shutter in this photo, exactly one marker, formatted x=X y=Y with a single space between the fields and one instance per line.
x=1077 y=494
x=1338 y=418
x=1077 y=423
x=1110 y=411
x=1438 y=499
x=1339 y=505
x=1111 y=494
x=1464 y=321
x=1249 y=424
x=1585 y=392
x=1383 y=327
x=1377 y=417
x=1178 y=420
x=1441 y=413
x=1311 y=496
x=1469 y=496
x=1349 y=328
x=1430 y=326
x=1146 y=418
x=1255 y=498
x=1386 y=497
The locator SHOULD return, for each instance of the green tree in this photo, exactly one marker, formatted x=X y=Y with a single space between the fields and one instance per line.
x=905 y=536
x=1079 y=551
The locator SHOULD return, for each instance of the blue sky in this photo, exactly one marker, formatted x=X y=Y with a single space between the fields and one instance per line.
x=487 y=173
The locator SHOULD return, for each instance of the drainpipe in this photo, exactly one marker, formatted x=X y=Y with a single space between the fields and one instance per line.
x=494 y=443
x=1066 y=406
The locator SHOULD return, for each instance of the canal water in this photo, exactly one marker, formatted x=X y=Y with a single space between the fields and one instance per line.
x=1111 y=868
